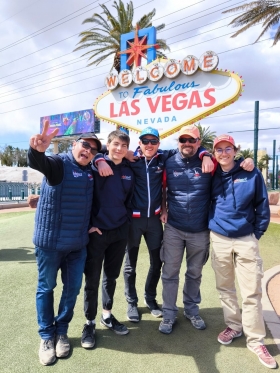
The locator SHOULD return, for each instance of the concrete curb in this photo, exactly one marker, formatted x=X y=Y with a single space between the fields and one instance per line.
x=13 y=205
x=270 y=317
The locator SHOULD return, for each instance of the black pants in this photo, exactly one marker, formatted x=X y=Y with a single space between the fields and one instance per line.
x=151 y=229
x=107 y=249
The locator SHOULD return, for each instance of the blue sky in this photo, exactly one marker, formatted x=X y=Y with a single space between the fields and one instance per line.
x=41 y=75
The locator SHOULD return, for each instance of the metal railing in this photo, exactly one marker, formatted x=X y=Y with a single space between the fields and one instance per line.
x=10 y=191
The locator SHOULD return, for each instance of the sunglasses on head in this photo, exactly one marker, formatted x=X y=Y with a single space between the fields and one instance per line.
x=86 y=145
x=147 y=141
x=191 y=140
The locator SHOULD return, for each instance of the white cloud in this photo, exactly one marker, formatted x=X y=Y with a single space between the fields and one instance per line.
x=258 y=64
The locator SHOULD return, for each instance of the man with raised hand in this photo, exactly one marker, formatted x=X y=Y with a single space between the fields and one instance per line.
x=61 y=234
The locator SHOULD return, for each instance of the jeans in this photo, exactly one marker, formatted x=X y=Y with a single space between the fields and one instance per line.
x=175 y=242
x=151 y=229
x=71 y=264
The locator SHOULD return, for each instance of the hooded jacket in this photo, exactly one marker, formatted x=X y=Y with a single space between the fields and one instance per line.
x=239 y=203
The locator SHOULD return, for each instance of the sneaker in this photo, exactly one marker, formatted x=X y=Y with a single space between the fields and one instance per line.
x=166 y=326
x=196 y=321
x=62 y=345
x=226 y=336
x=132 y=312
x=47 y=352
x=154 y=308
x=264 y=356
x=88 y=336
x=113 y=324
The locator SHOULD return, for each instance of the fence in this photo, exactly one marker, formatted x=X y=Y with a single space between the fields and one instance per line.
x=17 y=191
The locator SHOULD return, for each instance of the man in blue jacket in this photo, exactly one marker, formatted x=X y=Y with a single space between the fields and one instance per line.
x=108 y=237
x=61 y=234
x=188 y=197
x=239 y=216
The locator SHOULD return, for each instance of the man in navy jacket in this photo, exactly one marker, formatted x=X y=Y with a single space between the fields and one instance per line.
x=61 y=234
x=239 y=216
x=108 y=237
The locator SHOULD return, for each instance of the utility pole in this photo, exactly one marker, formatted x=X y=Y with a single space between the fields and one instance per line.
x=273 y=166
x=256 y=132
x=277 y=169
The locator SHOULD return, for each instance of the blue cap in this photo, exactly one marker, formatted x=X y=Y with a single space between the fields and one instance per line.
x=149 y=131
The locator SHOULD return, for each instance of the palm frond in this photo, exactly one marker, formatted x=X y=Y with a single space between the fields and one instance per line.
x=265 y=11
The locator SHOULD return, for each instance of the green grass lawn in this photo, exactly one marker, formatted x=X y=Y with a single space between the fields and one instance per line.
x=144 y=349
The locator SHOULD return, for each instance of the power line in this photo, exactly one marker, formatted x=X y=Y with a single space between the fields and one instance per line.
x=135 y=8
x=36 y=33
x=75 y=94
x=28 y=6
x=51 y=69
x=55 y=99
x=173 y=52
x=32 y=84
x=67 y=63
x=260 y=129
x=243 y=112
x=39 y=73
x=50 y=89
x=26 y=77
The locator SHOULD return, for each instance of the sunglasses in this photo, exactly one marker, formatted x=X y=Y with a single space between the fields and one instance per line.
x=191 y=140
x=86 y=145
x=226 y=150
x=151 y=141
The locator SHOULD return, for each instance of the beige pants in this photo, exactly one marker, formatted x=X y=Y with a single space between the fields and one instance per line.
x=240 y=256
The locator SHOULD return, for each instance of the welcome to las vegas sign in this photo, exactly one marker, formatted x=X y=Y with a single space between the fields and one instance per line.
x=166 y=94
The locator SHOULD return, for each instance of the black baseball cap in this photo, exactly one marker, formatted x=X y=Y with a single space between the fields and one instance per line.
x=92 y=136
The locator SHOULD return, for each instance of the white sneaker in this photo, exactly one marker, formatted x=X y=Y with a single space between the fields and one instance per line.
x=47 y=352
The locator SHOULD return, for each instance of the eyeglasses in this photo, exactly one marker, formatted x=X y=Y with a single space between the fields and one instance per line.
x=86 y=145
x=226 y=150
x=191 y=140
x=151 y=141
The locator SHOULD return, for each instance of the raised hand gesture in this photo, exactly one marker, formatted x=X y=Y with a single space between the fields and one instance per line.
x=42 y=142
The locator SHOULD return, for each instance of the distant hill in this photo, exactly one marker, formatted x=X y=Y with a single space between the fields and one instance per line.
x=15 y=174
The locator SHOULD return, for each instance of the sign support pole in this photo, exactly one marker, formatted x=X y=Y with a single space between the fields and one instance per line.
x=256 y=132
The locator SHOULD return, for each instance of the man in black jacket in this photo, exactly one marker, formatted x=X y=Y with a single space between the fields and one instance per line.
x=108 y=237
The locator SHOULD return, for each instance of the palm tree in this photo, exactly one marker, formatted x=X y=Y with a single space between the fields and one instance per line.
x=260 y=165
x=265 y=159
x=207 y=137
x=266 y=11
x=103 y=38
x=246 y=153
